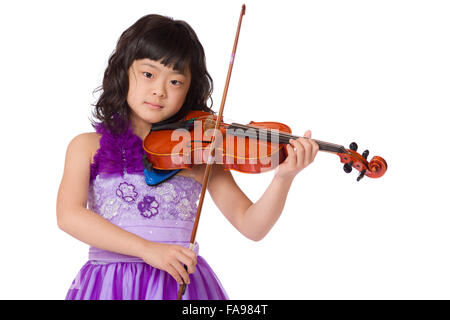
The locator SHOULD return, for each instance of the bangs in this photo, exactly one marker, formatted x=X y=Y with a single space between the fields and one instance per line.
x=170 y=46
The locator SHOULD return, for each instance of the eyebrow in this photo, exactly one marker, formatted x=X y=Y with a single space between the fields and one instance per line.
x=153 y=66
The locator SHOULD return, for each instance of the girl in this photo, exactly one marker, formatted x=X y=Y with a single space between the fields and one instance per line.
x=139 y=234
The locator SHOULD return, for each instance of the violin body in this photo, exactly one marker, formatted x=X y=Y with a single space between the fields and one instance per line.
x=167 y=150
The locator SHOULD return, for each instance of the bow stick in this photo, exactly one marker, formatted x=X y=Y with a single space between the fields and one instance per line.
x=212 y=148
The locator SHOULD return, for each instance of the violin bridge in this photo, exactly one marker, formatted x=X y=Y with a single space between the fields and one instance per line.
x=209 y=123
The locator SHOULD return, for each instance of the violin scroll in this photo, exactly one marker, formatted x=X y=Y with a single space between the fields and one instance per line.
x=375 y=168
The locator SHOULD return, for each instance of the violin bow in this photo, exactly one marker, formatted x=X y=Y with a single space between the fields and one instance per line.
x=212 y=148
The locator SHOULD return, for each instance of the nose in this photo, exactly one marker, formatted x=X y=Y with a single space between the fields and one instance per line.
x=159 y=91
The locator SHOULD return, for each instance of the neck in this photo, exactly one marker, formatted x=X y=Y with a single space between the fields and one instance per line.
x=140 y=127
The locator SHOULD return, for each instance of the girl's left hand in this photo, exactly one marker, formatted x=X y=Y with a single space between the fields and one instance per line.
x=298 y=159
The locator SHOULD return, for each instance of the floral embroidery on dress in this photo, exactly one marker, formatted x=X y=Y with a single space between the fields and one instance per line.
x=110 y=208
x=126 y=192
x=184 y=209
x=167 y=191
x=148 y=207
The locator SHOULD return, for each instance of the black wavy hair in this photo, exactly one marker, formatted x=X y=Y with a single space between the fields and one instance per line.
x=171 y=42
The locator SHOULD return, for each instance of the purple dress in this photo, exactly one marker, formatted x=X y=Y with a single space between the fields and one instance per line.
x=163 y=213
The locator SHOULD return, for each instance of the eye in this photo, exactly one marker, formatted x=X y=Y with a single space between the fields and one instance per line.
x=176 y=82
x=150 y=75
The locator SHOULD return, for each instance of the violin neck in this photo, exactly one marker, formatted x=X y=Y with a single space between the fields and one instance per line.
x=277 y=137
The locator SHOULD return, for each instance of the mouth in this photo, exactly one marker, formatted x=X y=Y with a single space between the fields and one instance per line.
x=153 y=106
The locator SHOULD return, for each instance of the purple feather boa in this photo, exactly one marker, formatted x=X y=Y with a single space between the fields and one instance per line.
x=117 y=153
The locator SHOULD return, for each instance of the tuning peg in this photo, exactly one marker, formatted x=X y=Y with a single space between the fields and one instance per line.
x=353 y=146
x=348 y=167
x=365 y=154
x=361 y=175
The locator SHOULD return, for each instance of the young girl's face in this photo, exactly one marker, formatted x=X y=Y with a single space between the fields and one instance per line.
x=156 y=92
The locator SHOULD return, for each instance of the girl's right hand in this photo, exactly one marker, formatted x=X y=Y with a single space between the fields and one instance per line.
x=170 y=258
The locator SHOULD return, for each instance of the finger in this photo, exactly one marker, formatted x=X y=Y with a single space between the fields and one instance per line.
x=308 y=151
x=171 y=270
x=187 y=261
x=314 y=145
x=291 y=158
x=190 y=253
x=315 y=149
x=308 y=134
x=300 y=152
x=181 y=271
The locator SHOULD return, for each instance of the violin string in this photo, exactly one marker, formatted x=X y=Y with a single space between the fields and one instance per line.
x=326 y=146
x=323 y=145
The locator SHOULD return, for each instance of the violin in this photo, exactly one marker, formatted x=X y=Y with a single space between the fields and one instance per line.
x=253 y=148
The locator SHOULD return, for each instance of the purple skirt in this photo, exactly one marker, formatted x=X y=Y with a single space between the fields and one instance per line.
x=140 y=281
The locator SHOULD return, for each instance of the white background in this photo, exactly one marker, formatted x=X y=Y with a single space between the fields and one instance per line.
x=374 y=72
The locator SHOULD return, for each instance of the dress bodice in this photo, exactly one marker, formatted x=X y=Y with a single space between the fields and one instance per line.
x=118 y=192
x=128 y=199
